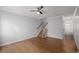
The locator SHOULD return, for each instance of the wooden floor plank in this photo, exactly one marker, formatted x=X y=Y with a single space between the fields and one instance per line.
x=35 y=45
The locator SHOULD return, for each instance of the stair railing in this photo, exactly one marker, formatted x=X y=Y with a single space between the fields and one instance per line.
x=40 y=28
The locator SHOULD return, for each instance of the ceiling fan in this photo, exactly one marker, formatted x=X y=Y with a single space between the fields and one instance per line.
x=38 y=10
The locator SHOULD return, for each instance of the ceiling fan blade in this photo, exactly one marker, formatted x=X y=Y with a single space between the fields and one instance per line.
x=39 y=8
x=41 y=12
x=33 y=10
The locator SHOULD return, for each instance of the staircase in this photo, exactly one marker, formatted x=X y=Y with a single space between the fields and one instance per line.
x=42 y=33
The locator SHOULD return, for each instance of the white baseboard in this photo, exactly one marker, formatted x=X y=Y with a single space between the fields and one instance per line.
x=28 y=38
x=55 y=36
x=17 y=41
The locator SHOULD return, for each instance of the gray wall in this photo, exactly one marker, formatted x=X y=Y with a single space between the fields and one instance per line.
x=16 y=27
x=55 y=27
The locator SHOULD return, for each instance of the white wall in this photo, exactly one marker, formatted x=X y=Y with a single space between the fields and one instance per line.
x=16 y=27
x=0 y=26
x=55 y=27
x=68 y=25
x=76 y=30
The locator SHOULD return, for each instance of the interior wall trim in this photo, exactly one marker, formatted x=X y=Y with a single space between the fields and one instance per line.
x=55 y=37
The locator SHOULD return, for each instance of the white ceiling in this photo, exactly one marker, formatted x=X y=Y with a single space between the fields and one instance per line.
x=49 y=11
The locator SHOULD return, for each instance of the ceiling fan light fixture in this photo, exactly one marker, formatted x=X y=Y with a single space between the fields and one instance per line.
x=37 y=12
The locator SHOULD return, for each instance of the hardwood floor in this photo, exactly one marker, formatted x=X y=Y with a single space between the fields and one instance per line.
x=69 y=44
x=36 y=45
